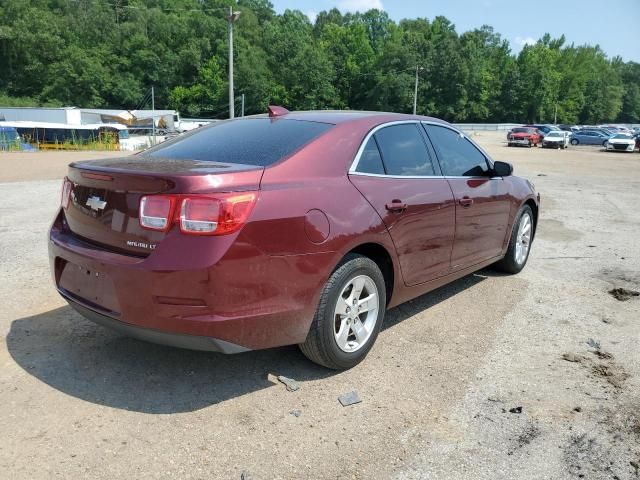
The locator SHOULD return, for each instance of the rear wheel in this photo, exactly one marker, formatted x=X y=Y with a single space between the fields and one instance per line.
x=519 y=244
x=349 y=315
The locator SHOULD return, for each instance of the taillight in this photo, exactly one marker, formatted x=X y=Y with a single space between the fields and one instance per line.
x=217 y=215
x=199 y=215
x=156 y=212
x=65 y=196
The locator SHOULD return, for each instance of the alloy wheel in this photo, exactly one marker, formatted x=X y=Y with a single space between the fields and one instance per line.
x=356 y=313
x=523 y=238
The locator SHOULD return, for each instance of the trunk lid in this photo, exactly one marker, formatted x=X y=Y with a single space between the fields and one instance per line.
x=105 y=199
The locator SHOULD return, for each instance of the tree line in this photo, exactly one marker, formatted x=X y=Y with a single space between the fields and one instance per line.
x=108 y=53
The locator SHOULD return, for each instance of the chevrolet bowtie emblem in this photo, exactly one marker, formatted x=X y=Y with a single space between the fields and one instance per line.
x=96 y=203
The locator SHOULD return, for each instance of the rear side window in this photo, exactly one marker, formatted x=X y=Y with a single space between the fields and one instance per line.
x=458 y=156
x=403 y=151
x=255 y=141
x=370 y=160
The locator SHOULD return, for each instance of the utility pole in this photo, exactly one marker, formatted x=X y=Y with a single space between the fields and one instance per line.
x=415 y=92
x=555 y=114
x=242 y=105
x=153 y=115
x=233 y=16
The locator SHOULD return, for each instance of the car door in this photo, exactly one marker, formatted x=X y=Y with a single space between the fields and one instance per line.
x=593 y=138
x=482 y=201
x=397 y=173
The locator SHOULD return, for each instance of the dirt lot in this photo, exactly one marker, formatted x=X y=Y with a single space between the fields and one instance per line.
x=498 y=377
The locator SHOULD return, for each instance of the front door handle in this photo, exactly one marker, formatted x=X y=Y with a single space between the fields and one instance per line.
x=466 y=202
x=396 y=206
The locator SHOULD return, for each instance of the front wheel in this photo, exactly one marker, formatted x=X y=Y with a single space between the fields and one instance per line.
x=349 y=315
x=574 y=141
x=519 y=244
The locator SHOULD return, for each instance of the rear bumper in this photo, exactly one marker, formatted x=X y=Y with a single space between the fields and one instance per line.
x=192 y=293
x=191 y=342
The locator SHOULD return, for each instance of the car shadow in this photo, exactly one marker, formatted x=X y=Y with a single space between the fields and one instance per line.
x=86 y=361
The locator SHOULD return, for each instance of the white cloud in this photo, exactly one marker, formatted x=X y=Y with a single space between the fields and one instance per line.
x=359 y=5
x=312 y=15
x=522 y=41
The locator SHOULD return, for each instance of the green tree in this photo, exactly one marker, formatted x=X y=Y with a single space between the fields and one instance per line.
x=108 y=53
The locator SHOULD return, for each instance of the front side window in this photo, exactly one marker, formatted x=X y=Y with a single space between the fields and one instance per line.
x=403 y=151
x=458 y=156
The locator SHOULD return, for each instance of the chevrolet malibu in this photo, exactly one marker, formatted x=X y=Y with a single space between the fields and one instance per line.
x=292 y=228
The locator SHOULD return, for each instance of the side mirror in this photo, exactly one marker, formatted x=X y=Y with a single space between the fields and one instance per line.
x=502 y=169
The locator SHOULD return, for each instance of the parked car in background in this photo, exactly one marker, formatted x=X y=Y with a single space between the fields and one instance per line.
x=621 y=142
x=569 y=128
x=593 y=128
x=303 y=228
x=616 y=128
x=555 y=139
x=544 y=129
x=523 y=136
x=589 y=137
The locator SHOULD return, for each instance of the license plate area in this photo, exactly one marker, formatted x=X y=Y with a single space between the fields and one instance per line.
x=88 y=285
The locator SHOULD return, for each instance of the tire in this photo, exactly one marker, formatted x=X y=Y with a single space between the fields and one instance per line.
x=322 y=344
x=513 y=262
x=604 y=144
x=530 y=144
x=575 y=141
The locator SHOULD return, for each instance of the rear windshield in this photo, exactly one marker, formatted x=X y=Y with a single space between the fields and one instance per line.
x=249 y=141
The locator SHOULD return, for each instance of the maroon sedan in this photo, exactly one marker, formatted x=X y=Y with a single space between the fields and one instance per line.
x=293 y=228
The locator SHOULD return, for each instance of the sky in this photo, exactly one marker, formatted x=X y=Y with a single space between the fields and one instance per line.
x=612 y=24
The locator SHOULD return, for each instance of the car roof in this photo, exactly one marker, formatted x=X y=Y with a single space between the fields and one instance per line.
x=346 y=116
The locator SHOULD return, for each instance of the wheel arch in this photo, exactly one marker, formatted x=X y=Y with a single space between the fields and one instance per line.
x=382 y=257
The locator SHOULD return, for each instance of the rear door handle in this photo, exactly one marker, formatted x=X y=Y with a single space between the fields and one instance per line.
x=466 y=202
x=396 y=206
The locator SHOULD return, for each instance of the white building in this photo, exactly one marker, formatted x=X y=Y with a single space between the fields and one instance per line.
x=163 y=119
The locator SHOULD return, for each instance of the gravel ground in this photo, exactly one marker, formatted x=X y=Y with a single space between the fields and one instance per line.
x=500 y=377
